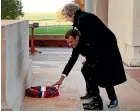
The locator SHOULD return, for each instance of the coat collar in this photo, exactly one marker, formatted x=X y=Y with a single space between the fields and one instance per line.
x=76 y=17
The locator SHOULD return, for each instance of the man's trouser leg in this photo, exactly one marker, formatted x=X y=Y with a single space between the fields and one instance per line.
x=91 y=85
x=96 y=103
x=94 y=87
x=84 y=71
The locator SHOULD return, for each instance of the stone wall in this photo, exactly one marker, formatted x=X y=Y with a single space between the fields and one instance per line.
x=16 y=64
x=124 y=21
x=101 y=10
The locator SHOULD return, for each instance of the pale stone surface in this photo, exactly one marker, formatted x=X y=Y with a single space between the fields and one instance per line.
x=9 y=22
x=67 y=100
x=121 y=19
x=16 y=64
x=136 y=24
x=90 y=6
x=102 y=10
x=47 y=72
x=124 y=22
x=4 y=104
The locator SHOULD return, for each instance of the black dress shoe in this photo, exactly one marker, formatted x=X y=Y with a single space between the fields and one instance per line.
x=91 y=102
x=86 y=96
x=93 y=107
x=95 y=104
x=113 y=104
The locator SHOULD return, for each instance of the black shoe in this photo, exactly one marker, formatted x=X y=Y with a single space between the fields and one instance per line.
x=93 y=107
x=86 y=96
x=95 y=99
x=91 y=102
x=113 y=104
x=95 y=104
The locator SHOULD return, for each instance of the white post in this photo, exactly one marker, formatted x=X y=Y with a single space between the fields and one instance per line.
x=90 y=6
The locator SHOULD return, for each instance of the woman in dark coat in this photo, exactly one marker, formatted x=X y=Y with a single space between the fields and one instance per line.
x=101 y=50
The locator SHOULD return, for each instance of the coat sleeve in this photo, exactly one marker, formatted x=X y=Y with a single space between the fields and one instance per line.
x=71 y=62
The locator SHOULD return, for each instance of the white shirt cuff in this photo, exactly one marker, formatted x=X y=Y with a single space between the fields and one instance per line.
x=64 y=75
x=43 y=89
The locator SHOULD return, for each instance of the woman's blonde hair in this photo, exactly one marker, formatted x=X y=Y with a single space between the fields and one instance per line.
x=69 y=9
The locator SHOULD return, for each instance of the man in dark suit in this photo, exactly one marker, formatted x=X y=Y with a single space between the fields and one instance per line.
x=103 y=60
x=89 y=71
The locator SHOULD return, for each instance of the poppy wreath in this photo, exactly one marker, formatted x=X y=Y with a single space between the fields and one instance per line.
x=37 y=92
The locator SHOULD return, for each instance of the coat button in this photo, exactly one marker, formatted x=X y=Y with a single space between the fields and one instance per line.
x=90 y=79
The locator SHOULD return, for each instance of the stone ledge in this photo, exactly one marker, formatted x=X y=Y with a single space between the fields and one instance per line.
x=132 y=62
x=9 y=22
x=5 y=107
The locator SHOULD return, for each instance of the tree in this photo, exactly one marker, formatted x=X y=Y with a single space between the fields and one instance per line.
x=81 y=3
x=11 y=9
x=59 y=16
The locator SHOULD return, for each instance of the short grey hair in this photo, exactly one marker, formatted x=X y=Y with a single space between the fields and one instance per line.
x=69 y=9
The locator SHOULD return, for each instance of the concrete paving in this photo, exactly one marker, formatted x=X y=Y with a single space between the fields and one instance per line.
x=47 y=69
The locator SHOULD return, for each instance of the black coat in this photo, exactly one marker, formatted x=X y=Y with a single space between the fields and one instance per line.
x=99 y=45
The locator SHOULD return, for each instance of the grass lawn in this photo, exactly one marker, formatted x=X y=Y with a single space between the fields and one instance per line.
x=52 y=29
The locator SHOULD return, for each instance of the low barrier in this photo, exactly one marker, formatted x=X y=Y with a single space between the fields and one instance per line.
x=49 y=40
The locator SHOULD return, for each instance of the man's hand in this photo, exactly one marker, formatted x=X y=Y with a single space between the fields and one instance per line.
x=58 y=83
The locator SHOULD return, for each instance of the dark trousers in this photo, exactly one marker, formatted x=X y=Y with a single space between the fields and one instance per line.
x=92 y=88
